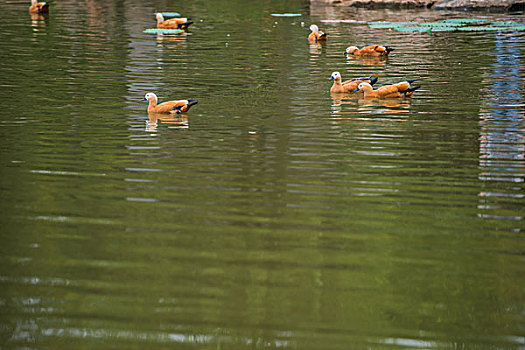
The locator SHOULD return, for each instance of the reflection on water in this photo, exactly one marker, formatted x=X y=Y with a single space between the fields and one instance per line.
x=358 y=104
x=502 y=138
x=172 y=41
x=38 y=19
x=178 y=121
x=367 y=61
x=274 y=214
x=315 y=48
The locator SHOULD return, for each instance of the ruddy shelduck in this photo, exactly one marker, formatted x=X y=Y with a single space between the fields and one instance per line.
x=315 y=34
x=179 y=106
x=39 y=7
x=172 y=23
x=372 y=50
x=388 y=91
x=349 y=85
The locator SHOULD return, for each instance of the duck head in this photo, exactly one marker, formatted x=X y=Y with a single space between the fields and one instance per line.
x=350 y=50
x=160 y=17
x=314 y=28
x=364 y=87
x=335 y=76
x=150 y=97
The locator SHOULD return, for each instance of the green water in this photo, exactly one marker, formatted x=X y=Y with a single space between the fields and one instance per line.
x=272 y=215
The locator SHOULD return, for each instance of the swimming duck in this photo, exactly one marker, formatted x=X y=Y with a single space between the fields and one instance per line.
x=315 y=34
x=39 y=7
x=349 y=85
x=172 y=23
x=179 y=106
x=388 y=91
x=372 y=50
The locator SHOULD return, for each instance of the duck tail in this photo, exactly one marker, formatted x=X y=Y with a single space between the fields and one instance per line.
x=184 y=25
x=192 y=103
x=411 y=90
x=373 y=80
x=389 y=49
x=411 y=81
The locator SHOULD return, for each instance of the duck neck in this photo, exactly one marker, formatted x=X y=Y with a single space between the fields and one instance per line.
x=152 y=103
x=337 y=82
x=367 y=92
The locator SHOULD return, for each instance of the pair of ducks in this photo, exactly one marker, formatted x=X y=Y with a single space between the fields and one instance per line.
x=172 y=23
x=371 y=50
x=364 y=85
x=179 y=106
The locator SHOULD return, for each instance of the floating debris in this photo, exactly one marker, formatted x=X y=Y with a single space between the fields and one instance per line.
x=412 y=29
x=440 y=24
x=341 y=21
x=286 y=14
x=490 y=28
x=463 y=20
x=170 y=14
x=506 y=23
x=449 y=25
x=162 y=31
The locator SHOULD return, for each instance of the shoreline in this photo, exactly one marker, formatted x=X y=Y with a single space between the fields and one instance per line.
x=460 y=5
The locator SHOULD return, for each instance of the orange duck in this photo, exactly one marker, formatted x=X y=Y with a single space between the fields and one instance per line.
x=179 y=106
x=388 y=91
x=316 y=35
x=349 y=85
x=372 y=50
x=39 y=7
x=172 y=23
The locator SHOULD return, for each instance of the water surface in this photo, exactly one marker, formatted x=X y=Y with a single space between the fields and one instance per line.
x=272 y=215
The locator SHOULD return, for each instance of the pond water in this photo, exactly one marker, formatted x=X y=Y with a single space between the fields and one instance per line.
x=272 y=215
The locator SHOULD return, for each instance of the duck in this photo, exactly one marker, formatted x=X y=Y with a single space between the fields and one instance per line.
x=349 y=85
x=372 y=50
x=388 y=91
x=39 y=7
x=179 y=106
x=172 y=23
x=315 y=34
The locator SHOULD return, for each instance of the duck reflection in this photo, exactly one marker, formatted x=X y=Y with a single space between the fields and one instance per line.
x=172 y=121
x=366 y=60
x=393 y=106
x=171 y=41
x=340 y=98
x=357 y=101
x=315 y=48
x=38 y=20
